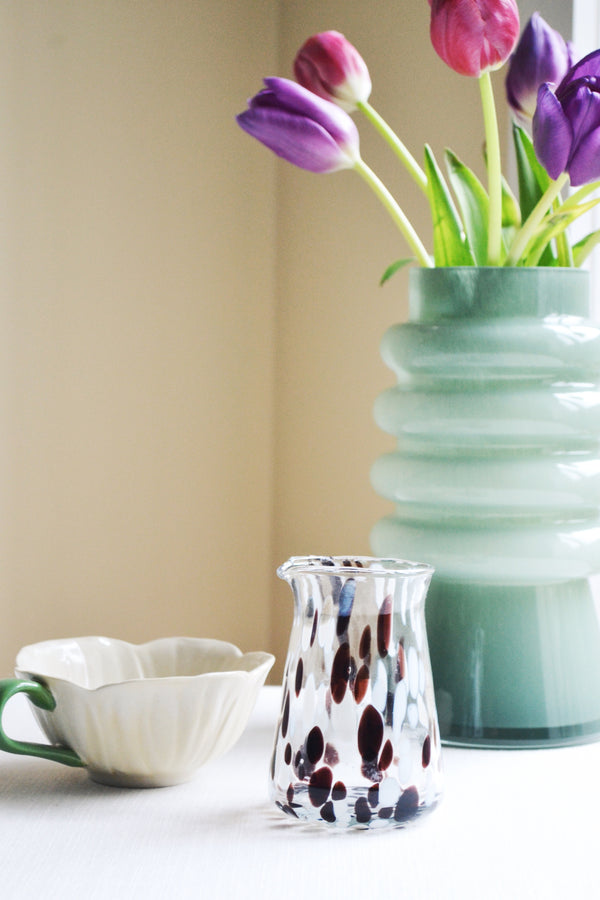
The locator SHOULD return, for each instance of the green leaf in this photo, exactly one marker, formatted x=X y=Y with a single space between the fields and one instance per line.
x=473 y=203
x=533 y=178
x=508 y=235
x=393 y=268
x=566 y=253
x=583 y=248
x=552 y=226
x=450 y=246
x=511 y=211
x=533 y=182
x=581 y=194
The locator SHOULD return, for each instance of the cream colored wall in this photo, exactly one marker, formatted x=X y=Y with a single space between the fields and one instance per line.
x=189 y=328
x=136 y=321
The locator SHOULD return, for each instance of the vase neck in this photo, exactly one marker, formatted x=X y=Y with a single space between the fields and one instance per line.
x=489 y=292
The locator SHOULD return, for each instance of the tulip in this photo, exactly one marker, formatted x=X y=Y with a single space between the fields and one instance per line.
x=318 y=136
x=542 y=55
x=566 y=123
x=332 y=68
x=302 y=128
x=474 y=36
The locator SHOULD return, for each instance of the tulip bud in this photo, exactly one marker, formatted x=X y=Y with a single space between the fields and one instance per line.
x=541 y=55
x=332 y=68
x=302 y=128
x=566 y=123
x=474 y=36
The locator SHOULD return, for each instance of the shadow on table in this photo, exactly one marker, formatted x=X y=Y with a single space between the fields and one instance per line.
x=24 y=781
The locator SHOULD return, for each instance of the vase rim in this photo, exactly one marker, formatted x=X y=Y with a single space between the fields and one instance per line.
x=352 y=566
x=456 y=292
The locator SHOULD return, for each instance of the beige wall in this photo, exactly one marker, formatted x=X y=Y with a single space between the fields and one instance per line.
x=189 y=328
x=136 y=321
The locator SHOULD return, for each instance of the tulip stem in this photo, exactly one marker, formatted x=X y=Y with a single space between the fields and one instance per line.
x=404 y=155
x=494 y=170
x=380 y=190
x=564 y=251
x=527 y=232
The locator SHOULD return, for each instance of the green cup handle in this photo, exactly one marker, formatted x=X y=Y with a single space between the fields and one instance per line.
x=42 y=697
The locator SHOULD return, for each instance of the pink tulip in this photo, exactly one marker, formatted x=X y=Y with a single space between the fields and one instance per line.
x=329 y=66
x=474 y=36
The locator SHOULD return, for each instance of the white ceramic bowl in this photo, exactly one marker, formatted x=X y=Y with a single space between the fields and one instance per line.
x=145 y=715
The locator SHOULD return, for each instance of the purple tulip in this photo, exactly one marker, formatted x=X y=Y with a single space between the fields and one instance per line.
x=566 y=123
x=331 y=67
x=542 y=54
x=302 y=128
x=474 y=36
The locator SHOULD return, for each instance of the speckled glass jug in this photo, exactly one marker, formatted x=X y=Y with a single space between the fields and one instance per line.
x=357 y=742
x=496 y=482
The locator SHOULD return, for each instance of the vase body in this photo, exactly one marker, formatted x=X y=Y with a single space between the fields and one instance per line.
x=357 y=742
x=496 y=483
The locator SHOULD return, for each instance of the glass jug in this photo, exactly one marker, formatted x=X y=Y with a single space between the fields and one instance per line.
x=357 y=741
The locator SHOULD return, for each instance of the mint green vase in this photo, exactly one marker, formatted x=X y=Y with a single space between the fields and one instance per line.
x=496 y=482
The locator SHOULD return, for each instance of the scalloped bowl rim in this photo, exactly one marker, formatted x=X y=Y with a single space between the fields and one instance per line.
x=229 y=650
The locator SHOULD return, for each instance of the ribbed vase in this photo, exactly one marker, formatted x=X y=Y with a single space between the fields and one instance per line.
x=496 y=483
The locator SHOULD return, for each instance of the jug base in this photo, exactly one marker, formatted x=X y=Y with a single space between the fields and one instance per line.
x=360 y=809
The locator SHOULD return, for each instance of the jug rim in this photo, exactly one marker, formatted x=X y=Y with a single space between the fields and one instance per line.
x=353 y=566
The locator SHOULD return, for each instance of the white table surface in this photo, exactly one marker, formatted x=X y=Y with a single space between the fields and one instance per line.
x=513 y=824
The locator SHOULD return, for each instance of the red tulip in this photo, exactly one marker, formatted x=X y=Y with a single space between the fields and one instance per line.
x=474 y=36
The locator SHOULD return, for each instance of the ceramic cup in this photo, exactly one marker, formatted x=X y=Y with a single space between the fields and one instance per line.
x=146 y=715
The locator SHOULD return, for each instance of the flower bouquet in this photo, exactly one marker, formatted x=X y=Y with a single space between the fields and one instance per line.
x=308 y=123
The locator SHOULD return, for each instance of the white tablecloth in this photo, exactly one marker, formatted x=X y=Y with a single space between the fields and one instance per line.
x=513 y=824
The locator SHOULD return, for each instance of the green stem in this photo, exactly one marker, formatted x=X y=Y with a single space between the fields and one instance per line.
x=404 y=155
x=563 y=245
x=380 y=190
x=527 y=232
x=579 y=195
x=494 y=169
